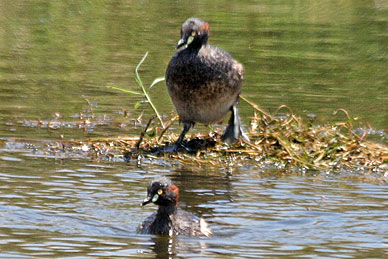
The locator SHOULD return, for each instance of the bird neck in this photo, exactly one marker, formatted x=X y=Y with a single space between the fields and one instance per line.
x=196 y=47
x=166 y=210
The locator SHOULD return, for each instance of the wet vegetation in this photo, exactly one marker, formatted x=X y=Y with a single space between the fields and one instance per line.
x=285 y=141
x=280 y=140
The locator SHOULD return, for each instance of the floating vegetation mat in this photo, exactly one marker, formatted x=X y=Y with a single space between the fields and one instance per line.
x=276 y=141
x=283 y=142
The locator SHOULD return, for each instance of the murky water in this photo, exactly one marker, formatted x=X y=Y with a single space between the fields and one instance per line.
x=77 y=208
x=56 y=59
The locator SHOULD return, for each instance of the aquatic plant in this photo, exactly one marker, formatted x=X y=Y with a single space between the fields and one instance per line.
x=280 y=141
x=283 y=141
x=145 y=93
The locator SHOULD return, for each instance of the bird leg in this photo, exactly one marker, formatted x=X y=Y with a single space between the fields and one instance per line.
x=234 y=130
x=179 y=143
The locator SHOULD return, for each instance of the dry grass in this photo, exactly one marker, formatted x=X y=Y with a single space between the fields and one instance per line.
x=282 y=142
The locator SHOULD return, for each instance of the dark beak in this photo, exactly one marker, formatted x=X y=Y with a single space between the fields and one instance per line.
x=180 y=43
x=150 y=199
x=146 y=201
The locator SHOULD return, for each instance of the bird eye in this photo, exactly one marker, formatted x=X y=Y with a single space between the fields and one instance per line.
x=160 y=191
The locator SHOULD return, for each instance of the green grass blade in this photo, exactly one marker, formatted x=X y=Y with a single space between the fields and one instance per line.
x=123 y=90
x=140 y=83
x=137 y=77
x=157 y=80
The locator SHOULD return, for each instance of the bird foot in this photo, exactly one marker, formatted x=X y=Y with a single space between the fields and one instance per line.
x=175 y=148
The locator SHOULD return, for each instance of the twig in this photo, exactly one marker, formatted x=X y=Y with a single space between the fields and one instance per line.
x=90 y=105
x=143 y=132
x=255 y=106
x=167 y=127
x=283 y=106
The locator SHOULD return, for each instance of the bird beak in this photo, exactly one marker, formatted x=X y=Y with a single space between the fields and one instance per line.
x=150 y=199
x=185 y=42
x=180 y=43
x=146 y=201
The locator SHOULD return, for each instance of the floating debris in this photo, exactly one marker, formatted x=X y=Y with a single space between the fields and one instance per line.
x=280 y=141
x=276 y=141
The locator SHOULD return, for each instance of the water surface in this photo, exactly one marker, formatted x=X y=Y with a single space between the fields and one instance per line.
x=52 y=208
x=57 y=59
x=314 y=56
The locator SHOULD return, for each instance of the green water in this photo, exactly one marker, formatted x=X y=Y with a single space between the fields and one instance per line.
x=57 y=59
x=314 y=56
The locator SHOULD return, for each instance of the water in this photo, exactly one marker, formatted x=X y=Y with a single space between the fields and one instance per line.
x=314 y=56
x=51 y=208
x=56 y=59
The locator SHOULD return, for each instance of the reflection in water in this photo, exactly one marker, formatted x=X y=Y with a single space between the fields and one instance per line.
x=164 y=246
x=171 y=247
x=312 y=56
x=56 y=57
x=76 y=208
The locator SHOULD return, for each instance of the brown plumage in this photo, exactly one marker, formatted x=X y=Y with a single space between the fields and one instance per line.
x=204 y=82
